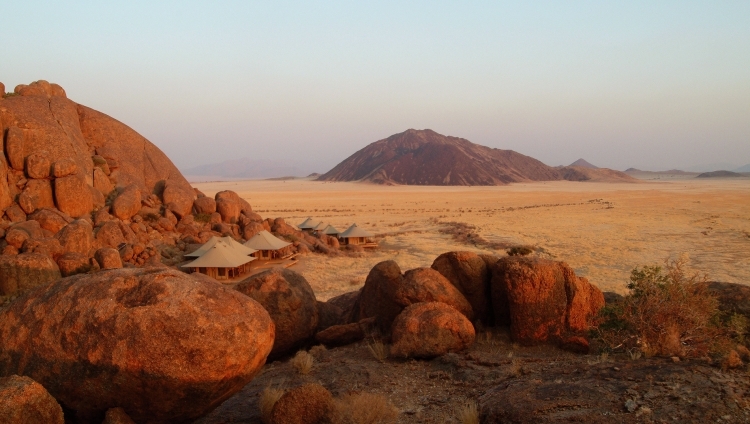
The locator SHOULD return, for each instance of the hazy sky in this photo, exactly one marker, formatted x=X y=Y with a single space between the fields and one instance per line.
x=646 y=84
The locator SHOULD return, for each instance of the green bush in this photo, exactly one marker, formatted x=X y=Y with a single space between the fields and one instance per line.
x=666 y=313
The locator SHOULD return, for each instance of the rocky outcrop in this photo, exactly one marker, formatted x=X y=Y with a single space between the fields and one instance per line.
x=127 y=203
x=430 y=329
x=377 y=298
x=73 y=196
x=205 y=205
x=19 y=273
x=471 y=275
x=24 y=401
x=156 y=342
x=428 y=285
x=543 y=301
x=290 y=301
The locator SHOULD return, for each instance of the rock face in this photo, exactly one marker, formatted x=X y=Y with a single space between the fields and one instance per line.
x=430 y=329
x=161 y=345
x=424 y=157
x=543 y=300
x=428 y=285
x=24 y=401
x=290 y=301
x=19 y=273
x=471 y=275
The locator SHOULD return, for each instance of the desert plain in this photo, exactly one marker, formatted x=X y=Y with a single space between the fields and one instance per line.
x=603 y=230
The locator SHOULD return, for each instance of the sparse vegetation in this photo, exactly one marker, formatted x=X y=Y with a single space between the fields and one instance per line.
x=268 y=399
x=203 y=217
x=363 y=408
x=151 y=217
x=378 y=349
x=9 y=94
x=516 y=369
x=668 y=312
x=468 y=413
x=111 y=197
x=520 y=251
x=303 y=362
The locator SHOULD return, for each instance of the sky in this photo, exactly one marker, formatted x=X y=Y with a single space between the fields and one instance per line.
x=645 y=84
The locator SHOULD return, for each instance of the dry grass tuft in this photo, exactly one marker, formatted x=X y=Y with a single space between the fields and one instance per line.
x=378 y=350
x=268 y=399
x=516 y=369
x=363 y=408
x=303 y=362
x=468 y=413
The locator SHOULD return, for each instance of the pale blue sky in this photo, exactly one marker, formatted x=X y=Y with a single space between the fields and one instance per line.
x=641 y=83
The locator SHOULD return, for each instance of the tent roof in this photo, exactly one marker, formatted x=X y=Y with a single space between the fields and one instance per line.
x=329 y=230
x=307 y=224
x=220 y=255
x=355 y=231
x=320 y=226
x=266 y=241
x=230 y=242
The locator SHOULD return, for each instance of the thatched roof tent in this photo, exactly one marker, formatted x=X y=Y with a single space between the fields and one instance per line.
x=266 y=241
x=355 y=231
x=220 y=255
x=230 y=242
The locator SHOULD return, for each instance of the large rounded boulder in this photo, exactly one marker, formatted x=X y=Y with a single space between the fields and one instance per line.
x=289 y=299
x=430 y=329
x=19 y=273
x=471 y=275
x=378 y=296
x=543 y=300
x=428 y=285
x=163 y=346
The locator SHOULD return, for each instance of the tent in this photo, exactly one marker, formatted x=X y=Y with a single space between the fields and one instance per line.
x=308 y=224
x=230 y=242
x=266 y=244
x=331 y=231
x=320 y=227
x=221 y=261
x=356 y=235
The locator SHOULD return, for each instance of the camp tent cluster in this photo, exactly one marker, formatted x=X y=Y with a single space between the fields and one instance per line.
x=353 y=235
x=224 y=258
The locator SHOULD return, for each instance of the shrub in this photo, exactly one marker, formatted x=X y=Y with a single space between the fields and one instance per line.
x=378 y=350
x=303 y=362
x=111 y=197
x=268 y=399
x=666 y=313
x=10 y=94
x=151 y=217
x=468 y=413
x=363 y=408
x=203 y=217
x=519 y=251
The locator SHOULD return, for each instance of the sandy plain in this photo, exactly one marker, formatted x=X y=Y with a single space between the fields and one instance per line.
x=603 y=230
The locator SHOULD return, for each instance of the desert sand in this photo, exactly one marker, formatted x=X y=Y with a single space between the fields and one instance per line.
x=603 y=230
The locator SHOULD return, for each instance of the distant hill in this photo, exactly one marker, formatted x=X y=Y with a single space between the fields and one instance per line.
x=745 y=168
x=249 y=168
x=583 y=164
x=424 y=157
x=720 y=174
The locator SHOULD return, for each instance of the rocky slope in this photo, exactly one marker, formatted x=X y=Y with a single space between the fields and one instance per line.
x=80 y=191
x=424 y=157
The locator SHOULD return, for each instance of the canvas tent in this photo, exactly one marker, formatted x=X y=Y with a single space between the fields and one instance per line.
x=356 y=235
x=320 y=227
x=230 y=242
x=308 y=224
x=331 y=231
x=221 y=261
x=267 y=245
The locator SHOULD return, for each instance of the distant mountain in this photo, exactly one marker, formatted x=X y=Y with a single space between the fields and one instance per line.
x=584 y=164
x=745 y=168
x=424 y=157
x=248 y=168
x=720 y=174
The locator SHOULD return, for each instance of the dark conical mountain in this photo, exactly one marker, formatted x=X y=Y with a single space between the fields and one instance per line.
x=584 y=164
x=424 y=157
